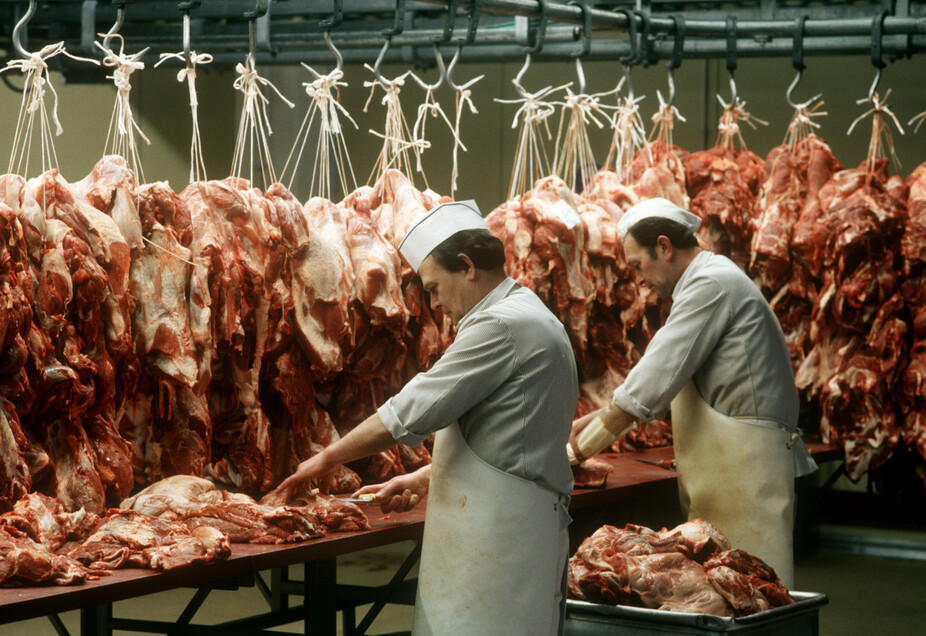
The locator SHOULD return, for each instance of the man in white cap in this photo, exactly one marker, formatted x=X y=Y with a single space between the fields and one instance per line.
x=722 y=365
x=501 y=401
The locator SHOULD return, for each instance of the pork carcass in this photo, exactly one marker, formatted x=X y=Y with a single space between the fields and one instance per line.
x=230 y=252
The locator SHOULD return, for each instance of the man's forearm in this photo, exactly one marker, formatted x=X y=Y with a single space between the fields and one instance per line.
x=367 y=438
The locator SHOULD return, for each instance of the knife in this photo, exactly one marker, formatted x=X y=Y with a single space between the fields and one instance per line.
x=367 y=498
x=668 y=464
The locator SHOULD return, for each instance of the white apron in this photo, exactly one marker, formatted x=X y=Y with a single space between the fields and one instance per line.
x=739 y=476
x=494 y=550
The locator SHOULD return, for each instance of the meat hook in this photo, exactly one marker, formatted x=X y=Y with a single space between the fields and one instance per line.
x=18 y=29
x=474 y=13
x=339 y=59
x=448 y=25
x=586 y=34
x=539 y=34
x=185 y=7
x=797 y=60
x=398 y=24
x=678 y=48
x=731 y=54
x=475 y=10
x=337 y=16
x=251 y=16
x=877 y=29
x=443 y=72
x=634 y=56
x=120 y=18
x=452 y=65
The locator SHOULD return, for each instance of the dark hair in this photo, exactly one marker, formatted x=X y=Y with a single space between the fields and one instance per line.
x=485 y=250
x=647 y=231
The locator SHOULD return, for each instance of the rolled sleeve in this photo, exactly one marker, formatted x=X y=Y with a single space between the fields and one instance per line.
x=390 y=419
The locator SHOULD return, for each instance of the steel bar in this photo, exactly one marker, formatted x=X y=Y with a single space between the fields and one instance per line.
x=563 y=12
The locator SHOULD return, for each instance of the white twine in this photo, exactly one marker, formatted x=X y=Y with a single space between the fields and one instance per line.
x=35 y=69
x=188 y=75
x=429 y=107
x=574 y=158
x=881 y=136
x=331 y=149
x=664 y=121
x=397 y=138
x=629 y=136
x=802 y=124
x=463 y=97
x=123 y=137
x=254 y=127
x=728 y=129
x=531 y=161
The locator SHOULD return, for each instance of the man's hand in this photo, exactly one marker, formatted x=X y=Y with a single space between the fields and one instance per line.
x=402 y=493
x=314 y=467
x=595 y=432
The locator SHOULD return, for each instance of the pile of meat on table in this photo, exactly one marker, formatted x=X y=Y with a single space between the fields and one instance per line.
x=176 y=522
x=690 y=568
x=221 y=332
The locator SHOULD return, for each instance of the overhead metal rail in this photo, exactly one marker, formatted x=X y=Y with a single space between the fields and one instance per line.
x=644 y=31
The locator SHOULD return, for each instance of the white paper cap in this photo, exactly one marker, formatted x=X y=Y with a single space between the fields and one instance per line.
x=660 y=208
x=437 y=226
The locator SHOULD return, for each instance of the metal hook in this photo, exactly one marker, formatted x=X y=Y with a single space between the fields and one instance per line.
x=877 y=29
x=517 y=79
x=339 y=59
x=448 y=25
x=120 y=18
x=17 y=30
x=443 y=72
x=337 y=16
x=731 y=53
x=643 y=50
x=399 y=22
x=678 y=47
x=452 y=65
x=475 y=10
x=379 y=60
x=797 y=60
x=185 y=7
x=586 y=35
x=259 y=10
x=633 y=57
x=540 y=33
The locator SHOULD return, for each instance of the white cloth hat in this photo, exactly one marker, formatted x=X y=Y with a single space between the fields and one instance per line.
x=659 y=208
x=437 y=226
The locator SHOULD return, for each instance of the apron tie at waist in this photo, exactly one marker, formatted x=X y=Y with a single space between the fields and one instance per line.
x=796 y=434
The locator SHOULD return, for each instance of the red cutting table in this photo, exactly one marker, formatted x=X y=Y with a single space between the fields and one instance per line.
x=630 y=481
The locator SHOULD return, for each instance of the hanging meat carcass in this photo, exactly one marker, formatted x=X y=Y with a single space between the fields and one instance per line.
x=788 y=207
x=167 y=418
x=229 y=248
x=856 y=333
x=912 y=384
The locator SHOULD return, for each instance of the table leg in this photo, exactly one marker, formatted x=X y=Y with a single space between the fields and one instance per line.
x=94 y=620
x=320 y=603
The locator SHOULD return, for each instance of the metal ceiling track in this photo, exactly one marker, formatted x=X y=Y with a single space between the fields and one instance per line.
x=641 y=31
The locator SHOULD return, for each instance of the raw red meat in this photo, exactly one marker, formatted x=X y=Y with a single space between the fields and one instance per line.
x=690 y=568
